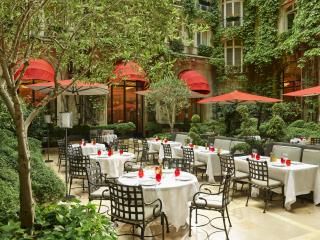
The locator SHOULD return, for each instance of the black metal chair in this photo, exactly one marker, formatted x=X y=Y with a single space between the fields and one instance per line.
x=167 y=153
x=259 y=178
x=136 y=147
x=188 y=155
x=97 y=183
x=128 y=206
x=77 y=166
x=61 y=152
x=146 y=150
x=314 y=141
x=227 y=162
x=181 y=163
x=218 y=201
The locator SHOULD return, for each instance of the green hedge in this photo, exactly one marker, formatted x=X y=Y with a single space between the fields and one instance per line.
x=62 y=221
x=119 y=128
x=46 y=185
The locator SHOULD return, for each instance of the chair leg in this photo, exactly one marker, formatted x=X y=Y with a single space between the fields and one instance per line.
x=196 y=215
x=100 y=205
x=167 y=224
x=190 y=216
x=142 y=233
x=224 y=224
x=249 y=193
x=234 y=187
x=228 y=216
x=83 y=185
x=266 y=196
x=283 y=196
x=162 y=225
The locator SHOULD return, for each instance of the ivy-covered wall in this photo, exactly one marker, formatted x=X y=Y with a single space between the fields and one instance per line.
x=264 y=48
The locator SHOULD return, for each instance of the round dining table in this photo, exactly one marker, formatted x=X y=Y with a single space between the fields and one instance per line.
x=174 y=192
x=112 y=165
x=156 y=145
x=90 y=148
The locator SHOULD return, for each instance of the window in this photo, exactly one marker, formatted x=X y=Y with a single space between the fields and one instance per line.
x=233 y=54
x=203 y=38
x=290 y=13
x=204 y=5
x=232 y=12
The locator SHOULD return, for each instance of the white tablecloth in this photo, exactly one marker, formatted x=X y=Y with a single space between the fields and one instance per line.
x=113 y=165
x=108 y=138
x=174 y=194
x=90 y=148
x=210 y=158
x=157 y=146
x=298 y=179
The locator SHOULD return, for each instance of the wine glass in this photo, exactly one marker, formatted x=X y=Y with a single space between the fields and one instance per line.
x=158 y=177
x=284 y=158
x=177 y=172
x=140 y=173
x=99 y=152
x=254 y=153
x=166 y=165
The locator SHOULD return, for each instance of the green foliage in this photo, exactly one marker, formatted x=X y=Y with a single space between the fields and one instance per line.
x=63 y=221
x=45 y=184
x=217 y=126
x=243 y=148
x=119 y=128
x=248 y=125
x=176 y=45
x=301 y=128
x=170 y=95
x=196 y=130
x=162 y=136
x=286 y=110
x=205 y=51
x=274 y=128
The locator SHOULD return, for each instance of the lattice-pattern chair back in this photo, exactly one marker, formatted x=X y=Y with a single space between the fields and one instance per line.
x=188 y=154
x=314 y=141
x=258 y=170
x=211 y=140
x=124 y=147
x=182 y=164
x=226 y=182
x=62 y=149
x=78 y=163
x=167 y=152
x=226 y=162
x=145 y=144
x=94 y=176
x=127 y=203
x=136 y=144
x=99 y=138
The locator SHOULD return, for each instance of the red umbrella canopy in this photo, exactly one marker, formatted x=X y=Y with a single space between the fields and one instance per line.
x=238 y=97
x=130 y=71
x=77 y=88
x=38 y=69
x=313 y=91
x=195 y=81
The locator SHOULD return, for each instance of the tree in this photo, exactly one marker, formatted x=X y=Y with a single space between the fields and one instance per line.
x=91 y=36
x=170 y=95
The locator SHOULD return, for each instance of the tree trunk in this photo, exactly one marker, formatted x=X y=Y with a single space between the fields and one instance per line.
x=26 y=200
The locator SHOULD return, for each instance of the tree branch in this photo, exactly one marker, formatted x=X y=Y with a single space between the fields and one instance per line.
x=7 y=100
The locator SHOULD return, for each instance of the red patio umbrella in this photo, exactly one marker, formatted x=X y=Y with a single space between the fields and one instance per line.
x=77 y=88
x=238 y=97
x=313 y=91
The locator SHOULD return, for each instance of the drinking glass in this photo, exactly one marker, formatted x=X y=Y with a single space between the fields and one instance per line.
x=99 y=152
x=158 y=177
x=284 y=157
x=288 y=162
x=254 y=153
x=121 y=151
x=140 y=173
x=166 y=165
x=177 y=172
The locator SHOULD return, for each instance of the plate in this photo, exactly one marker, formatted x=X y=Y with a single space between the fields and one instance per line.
x=278 y=165
x=183 y=178
x=147 y=182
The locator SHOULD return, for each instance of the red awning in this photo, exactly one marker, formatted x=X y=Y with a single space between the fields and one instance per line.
x=238 y=97
x=313 y=91
x=196 y=81
x=129 y=71
x=38 y=69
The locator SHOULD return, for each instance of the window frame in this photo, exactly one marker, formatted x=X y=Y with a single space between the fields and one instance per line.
x=224 y=12
x=234 y=46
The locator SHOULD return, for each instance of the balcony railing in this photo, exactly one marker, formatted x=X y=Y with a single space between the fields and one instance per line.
x=232 y=21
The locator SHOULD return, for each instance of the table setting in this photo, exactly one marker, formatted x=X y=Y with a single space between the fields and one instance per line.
x=89 y=148
x=171 y=186
x=298 y=178
x=112 y=163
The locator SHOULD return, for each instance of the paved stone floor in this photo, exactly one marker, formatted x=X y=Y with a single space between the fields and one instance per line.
x=249 y=223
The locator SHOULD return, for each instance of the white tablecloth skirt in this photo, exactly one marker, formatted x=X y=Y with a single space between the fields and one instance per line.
x=174 y=195
x=298 y=179
x=90 y=148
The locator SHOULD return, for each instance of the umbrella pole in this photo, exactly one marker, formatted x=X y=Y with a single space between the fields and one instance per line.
x=67 y=159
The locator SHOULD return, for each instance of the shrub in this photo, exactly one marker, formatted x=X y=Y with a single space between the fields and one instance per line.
x=46 y=185
x=301 y=128
x=205 y=51
x=119 y=128
x=248 y=125
x=244 y=148
x=196 y=130
x=176 y=45
x=274 y=128
x=63 y=221
x=168 y=136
